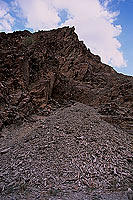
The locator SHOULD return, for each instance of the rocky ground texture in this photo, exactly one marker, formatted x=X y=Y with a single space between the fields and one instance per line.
x=70 y=154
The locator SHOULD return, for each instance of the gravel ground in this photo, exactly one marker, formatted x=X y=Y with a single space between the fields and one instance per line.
x=72 y=154
x=93 y=196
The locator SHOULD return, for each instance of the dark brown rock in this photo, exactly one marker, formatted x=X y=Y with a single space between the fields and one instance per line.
x=55 y=64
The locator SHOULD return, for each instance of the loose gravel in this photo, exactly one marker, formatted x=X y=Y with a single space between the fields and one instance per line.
x=71 y=154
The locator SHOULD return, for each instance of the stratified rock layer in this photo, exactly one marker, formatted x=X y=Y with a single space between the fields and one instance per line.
x=55 y=64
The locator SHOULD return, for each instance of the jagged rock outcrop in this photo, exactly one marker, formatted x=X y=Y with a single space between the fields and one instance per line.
x=55 y=64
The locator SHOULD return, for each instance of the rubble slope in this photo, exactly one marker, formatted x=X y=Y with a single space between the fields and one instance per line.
x=73 y=150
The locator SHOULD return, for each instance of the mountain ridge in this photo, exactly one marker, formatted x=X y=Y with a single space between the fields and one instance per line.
x=56 y=65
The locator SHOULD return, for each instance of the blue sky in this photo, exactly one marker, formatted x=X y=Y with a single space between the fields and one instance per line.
x=125 y=18
x=105 y=26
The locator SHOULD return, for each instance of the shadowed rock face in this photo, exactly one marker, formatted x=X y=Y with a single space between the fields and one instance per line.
x=55 y=64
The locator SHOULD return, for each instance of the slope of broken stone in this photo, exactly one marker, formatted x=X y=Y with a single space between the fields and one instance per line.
x=70 y=151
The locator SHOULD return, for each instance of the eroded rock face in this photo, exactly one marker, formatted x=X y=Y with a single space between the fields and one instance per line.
x=55 y=64
x=28 y=73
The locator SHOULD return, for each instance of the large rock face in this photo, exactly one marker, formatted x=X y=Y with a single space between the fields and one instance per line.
x=55 y=64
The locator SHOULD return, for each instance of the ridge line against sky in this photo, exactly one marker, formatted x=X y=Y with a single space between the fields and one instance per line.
x=104 y=25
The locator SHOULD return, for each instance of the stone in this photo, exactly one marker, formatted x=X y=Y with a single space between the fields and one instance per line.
x=130 y=194
x=38 y=67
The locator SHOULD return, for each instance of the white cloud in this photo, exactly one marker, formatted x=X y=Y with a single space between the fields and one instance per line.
x=106 y=2
x=40 y=14
x=6 y=20
x=94 y=23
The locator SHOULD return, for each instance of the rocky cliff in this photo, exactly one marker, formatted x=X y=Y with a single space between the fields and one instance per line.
x=54 y=65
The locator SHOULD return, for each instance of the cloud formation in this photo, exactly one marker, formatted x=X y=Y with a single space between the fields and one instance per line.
x=6 y=20
x=40 y=14
x=94 y=23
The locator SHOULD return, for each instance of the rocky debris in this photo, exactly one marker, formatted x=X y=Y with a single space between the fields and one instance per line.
x=54 y=64
x=95 y=196
x=71 y=152
x=130 y=194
